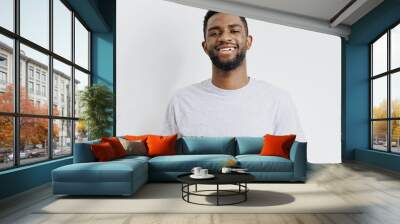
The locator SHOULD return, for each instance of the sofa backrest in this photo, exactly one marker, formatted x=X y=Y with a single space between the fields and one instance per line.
x=83 y=152
x=249 y=145
x=192 y=145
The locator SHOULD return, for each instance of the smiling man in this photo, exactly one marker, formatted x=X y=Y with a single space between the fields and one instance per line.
x=230 y=103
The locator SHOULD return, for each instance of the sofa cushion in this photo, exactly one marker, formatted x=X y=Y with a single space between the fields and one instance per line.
x=161 y=145
x=185 y=163
x=195 y=145
x=116 y=145
x=103 y=152
x=135 y=147
x=257 y=163
x=136 y=137
x=249 y=145
x=277 y=145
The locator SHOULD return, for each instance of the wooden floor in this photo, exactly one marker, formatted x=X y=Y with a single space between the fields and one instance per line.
x=378 y=188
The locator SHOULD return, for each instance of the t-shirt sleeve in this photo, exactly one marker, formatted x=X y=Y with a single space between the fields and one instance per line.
x=287 y=120
x=170 y=126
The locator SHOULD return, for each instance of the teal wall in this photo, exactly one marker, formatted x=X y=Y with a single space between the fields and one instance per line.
x=355 y=126
x=99 y=16
x=103 y=63
x=103 y=51
x=24 y=178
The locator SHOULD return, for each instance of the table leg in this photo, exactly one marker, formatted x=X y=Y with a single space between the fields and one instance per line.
x=245 y=193
x=217 y=194
x=188 y=190
x=196 y=188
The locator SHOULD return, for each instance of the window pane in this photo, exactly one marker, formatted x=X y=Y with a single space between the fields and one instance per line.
x=6 y=142
x=62 y=89
x=7 y=14
x=81 y=131
x=395 y=47
x=379 y=55
x=6 y=74
x=395 y=94
x=62 y=137
x=35 y=21
x=81 y=81
x=379 y=135
x=379 y=88
x=33 y=140
x=395 y=136
x=62 y=29
x=81 y=45
x=34 y=97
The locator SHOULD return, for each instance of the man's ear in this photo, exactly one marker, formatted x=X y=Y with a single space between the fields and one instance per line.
x=204 y=45
x=249 y=41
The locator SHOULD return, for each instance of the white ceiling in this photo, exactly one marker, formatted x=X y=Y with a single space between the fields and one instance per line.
x=316 y=15
x=321 y=9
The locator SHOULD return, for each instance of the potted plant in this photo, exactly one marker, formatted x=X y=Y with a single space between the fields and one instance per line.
x=96 y=102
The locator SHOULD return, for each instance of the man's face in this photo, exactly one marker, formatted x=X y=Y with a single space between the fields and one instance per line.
x=226 y=41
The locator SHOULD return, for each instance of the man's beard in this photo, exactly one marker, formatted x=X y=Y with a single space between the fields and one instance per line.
x=229 y=65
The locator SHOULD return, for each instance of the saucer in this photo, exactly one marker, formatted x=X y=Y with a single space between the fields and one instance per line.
x=208 y=176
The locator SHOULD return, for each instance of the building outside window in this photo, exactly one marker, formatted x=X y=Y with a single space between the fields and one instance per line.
x=38 y=89
x=38 y=75
x=3 y=72
x=43 y=90
x=30 y=72
x=3 y=78
x=30 y=87
x=3 y=61
x=44 y=77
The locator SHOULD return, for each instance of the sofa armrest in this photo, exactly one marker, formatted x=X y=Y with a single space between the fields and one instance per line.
x=83 y=152
x=298 y=155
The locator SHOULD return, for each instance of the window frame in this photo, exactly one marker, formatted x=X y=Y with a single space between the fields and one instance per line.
x=388 y=74
x=15 y=72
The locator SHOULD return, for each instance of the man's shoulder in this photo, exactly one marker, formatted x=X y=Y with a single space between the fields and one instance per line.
x=190 y=90
x=270 y=89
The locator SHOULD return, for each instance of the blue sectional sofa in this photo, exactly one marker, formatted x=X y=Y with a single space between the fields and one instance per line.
x=125 y=176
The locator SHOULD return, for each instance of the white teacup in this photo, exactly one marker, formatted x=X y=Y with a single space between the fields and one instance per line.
x=226 y=170
x=196 y=170
x=203 y=172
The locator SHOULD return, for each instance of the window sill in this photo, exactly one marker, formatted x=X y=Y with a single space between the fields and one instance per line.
x=26 y=167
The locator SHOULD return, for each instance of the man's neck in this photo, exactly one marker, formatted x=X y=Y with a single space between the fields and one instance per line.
x=234 y=79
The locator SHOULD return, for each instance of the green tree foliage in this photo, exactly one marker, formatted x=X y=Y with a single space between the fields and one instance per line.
x=97 y=104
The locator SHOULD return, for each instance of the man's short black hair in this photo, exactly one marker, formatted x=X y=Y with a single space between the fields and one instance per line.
x=211 y=13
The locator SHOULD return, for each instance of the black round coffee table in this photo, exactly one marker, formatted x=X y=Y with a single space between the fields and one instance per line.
x=238 y=179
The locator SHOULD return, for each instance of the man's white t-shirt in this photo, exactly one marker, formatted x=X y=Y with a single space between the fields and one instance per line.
x=256 y=109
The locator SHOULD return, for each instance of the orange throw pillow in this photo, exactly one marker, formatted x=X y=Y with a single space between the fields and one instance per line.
x=116 y=145
x=103 y=151
x=161 y=145
x=136 y=137
x=277 y=145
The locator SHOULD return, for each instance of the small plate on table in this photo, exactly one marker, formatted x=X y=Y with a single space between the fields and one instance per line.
x=208 y=176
